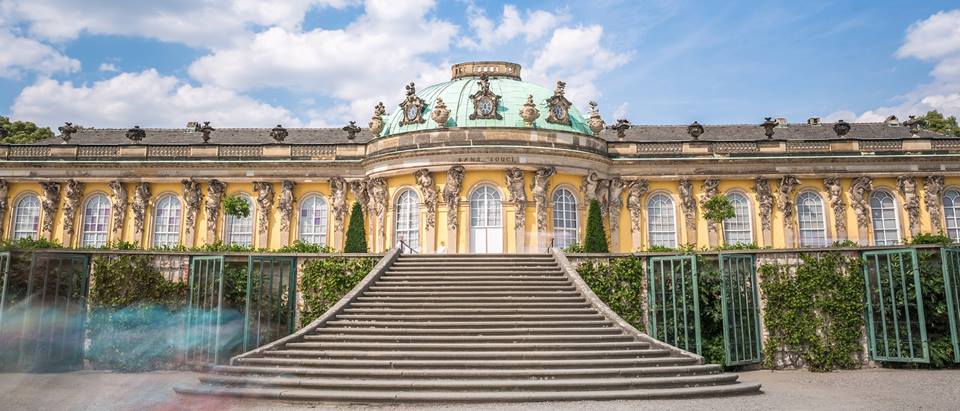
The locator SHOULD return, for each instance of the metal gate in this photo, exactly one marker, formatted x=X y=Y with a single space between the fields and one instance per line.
x=53 y=313
x=204 y=310
x=5 y=266
x=895 y=324
x=271 y=300
x=951 y=282
x=741 y=309
x=673 y=300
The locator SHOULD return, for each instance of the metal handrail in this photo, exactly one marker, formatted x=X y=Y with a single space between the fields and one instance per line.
x=404 y=247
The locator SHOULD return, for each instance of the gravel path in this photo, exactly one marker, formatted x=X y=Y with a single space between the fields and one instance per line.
x=871 y=389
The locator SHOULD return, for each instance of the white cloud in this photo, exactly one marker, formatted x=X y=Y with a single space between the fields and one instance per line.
x=369 y=60
x=109 y=67
x=936 y=37
x=147 y=99
x=577 y=56
x=487 y=34
x=20 y=54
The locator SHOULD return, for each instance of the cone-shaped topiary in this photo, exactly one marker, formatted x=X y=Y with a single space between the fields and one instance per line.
x=356 y=233
x=596 y=239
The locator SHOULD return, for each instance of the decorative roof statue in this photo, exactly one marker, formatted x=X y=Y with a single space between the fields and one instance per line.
x=279 y=133
x=485 y=102
x=914 y=125
x=768 y=126
x=412 y=107
x=376 y=122
x=595 y=122
x=529 y=112
x=841 y=128
x=559 y=106
x=351 y=130
x=695 y=130
x=206 y=130
x=66 y=130
x=440 y=114
x=136 y=134
x=621 y=127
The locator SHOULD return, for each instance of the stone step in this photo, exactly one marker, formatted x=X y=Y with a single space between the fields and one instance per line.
x=480 y=268
x=470 y=364
x=459 y=277
x=480 y=342
x=499 y=293
x=465 y=311
x=526 y=373
x=467 y=305
x=490 y=318
x=437 y=325
x=460 y=355
x=471 y=299
x=515 y=331
x=469 y=345
x=390 y=282
x=470 y=287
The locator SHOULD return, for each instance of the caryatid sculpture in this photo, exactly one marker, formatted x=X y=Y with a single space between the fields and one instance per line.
x=635 y=192
x=932 y=190
x=215 y=191
x=49 y=203
x=761 y=187
x=588 y=186
x=518 y=195
x=710 y=189
x=860 y=189
x=72 y=194
x=265 y=196
x=4 y=190
x=429 y=189
x=141 y=197
x=338 y=198
x=835 y=195
x=191 y=197
x=688 y=203
x=539 y=188
x=118 y=207
x=285 y=204
x=451 y=194
x=788 y=184
x=911 y=201
x=377 y=191
x=359 y=189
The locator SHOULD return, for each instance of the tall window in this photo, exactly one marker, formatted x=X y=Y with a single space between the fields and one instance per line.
x=96 y=219
x=883 y=210
x=951 y=213
x=564 y=218
x=811 y=220
x=661 y=221
x=408 y=219
x=738 y=229
x=485 y=208
x=26 y=218
x=239 y=231
x=313 y=220
x=166 y=222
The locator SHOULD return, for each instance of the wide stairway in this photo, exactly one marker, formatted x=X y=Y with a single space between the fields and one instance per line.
x=470 y=328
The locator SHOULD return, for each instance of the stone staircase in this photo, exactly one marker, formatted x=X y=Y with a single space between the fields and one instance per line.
x=469 y=328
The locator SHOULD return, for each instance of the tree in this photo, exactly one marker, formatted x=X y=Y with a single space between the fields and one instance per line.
x=22 y=132
x=718 y=209
x=356 y=232
x=936 y=122
x=596 y=239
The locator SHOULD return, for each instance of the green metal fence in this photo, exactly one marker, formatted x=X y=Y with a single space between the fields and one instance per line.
x=204 y=310
x=951 y=281
x=51 y=336
x=741 y=309
x=5 y=266
x=896 y=328
x=271 y=300
x=673 y=303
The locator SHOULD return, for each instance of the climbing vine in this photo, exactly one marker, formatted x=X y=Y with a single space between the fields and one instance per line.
x=619 y=284
x=325 y=281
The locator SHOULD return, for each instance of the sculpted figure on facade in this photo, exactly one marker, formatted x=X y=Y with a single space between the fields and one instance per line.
x=451 y=194
x=932 y=190
x=761 y=187
x=711 y=188
x=911 y=201
x=285 y=204
x=617 y=186
x=377 y=190
x=788 y=185
x=359 y=189
x=588 y=186
x=859 y=191
x=688 y=203
x=191 y=198
x=338 y=199
x=50 y=203
x=603 y=196
x=429 y=189
x=835 y=195
x=376 y=122
x=540 y=187
x=141 y=197
x=118 y=206
x=72 y=195
x=4 y=190
x=518 y=195
x=635 y=192
x=215 y=191
x=265 y=196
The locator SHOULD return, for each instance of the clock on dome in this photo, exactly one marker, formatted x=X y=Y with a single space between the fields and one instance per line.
x=485 y=102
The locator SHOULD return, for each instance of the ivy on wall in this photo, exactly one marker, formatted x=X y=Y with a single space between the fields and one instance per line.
x=619 y=284
x=934 y=299
x=325 y=281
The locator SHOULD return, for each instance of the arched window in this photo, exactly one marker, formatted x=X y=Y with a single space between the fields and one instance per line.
x=486 y=221
x=239 y=231
x=738 y=229
x=883 y=210
x=96 y=220
x=313 y=220
x=564 y=218
x=951 y=213
x=166 y=222
x=811 y=220
x=661 y=221
x=26 y=218
x=408 y=219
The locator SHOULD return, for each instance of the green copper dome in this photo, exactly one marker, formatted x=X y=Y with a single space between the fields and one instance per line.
x=456 y=94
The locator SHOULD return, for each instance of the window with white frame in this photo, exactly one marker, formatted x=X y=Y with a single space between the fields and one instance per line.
x=408 y=219
x=313 y=220
x=951 y=212
x=96 y=221
x=26 y=218
x=485 y=208
x=661 y=221
x=886 y=224
x=564 y=218
x=738 y=229
x=239 y=230
x=166 y=222
x=811 y=220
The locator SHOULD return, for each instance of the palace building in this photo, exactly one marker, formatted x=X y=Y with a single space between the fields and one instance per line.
x=485 y=163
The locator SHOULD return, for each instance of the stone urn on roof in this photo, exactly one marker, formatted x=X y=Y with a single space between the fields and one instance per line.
x=529 y=112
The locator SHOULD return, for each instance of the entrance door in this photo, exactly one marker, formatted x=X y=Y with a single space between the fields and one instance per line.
x=486 y=221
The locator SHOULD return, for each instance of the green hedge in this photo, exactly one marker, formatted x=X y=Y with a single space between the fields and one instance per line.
x=325 y=281
x=619 y=284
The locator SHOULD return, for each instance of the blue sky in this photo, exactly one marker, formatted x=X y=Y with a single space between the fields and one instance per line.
x=254 y=63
